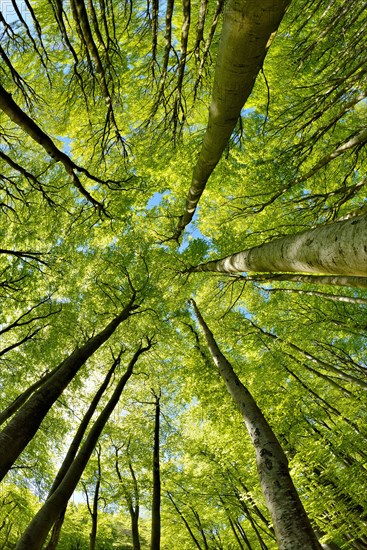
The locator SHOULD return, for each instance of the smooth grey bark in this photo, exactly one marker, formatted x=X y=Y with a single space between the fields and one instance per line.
x=25 y=423
x=248 y=29
x=292 y=528
x=323 y=295
x=338 y=248
x=36 y=532
x=155 y=542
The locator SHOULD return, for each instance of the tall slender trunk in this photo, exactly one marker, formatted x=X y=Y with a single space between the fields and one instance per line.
x=36 y=532
x=134 y=515
x=156 y=498
x=328 y=280
x=25 y=423
x=135 y=510
x=337 y=248
x=248 y=29
x=324 y=295
x=94 y=510
x=74 y=446
x=132 y=500
x=292 y=528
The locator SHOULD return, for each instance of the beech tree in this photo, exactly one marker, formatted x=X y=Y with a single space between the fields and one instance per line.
x=114 y=119
x=337 y=249
x=22 y=427
x=292 y=529
x=36 y=532
x=246 y=35
x=155 y=541
x=132 y=498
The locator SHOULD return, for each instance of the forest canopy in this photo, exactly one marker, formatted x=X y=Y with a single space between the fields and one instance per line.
x=183 y=274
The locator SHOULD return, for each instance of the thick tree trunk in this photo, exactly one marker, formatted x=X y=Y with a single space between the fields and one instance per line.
x=25 y=423
x=22 y=398
x=36 y=532
x=291 y=525
x=156 y=499
x=337 y=248
x=248 y=29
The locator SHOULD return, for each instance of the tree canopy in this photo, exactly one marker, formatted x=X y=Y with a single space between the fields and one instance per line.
x=182 y=187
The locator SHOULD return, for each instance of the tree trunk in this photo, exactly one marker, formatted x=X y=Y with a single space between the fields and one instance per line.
x=56 y=531
x=22 y=398
x=94 y=514
x=333 y=280
x=36 y=532
x=248 y=29
x=336 y=248
x=156 y=499
x=132 y=502
x=15 y=113
x=23 y=426
x=323 y=295
x=74 y=446
x=135 y=529
x=135 y=511
x=291 y=525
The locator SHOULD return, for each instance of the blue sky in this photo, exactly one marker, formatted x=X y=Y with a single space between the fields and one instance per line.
x=8 y=12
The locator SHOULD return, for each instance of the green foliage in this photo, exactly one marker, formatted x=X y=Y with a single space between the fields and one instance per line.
x=17 y=507
x=113 y=532
x=67 y=267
